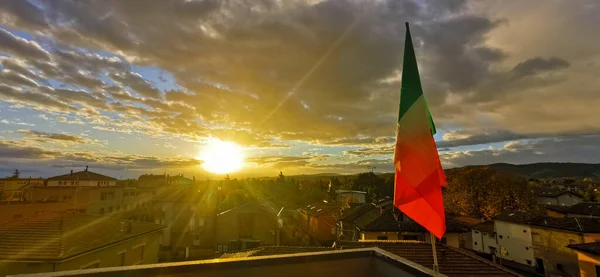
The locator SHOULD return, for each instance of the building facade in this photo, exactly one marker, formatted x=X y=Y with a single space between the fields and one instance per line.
x=83 y=178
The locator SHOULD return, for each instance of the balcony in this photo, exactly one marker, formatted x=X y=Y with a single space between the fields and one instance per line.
x=367 y=262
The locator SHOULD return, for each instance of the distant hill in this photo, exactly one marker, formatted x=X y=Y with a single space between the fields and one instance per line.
x=550 y=170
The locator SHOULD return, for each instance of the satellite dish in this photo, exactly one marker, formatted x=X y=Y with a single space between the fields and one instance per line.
x=279 y=223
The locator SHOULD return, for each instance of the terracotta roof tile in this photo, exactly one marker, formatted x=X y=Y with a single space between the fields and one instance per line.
x=83 y=176
x=452 y=262
x=59 y=235
x=274 y=250
x=592 y=247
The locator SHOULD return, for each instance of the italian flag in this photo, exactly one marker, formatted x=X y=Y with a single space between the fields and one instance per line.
x=419 y=175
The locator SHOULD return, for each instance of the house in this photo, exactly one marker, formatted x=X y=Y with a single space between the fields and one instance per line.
x=151 y=180
x=484 y=239
x=588 y=257
x=394 y=225
x=553 y=196
x=452 y=261
x=58 y=241
x=515 y=246
x=10 y=211
x=83 y=178
x=343 y=195
x=551 y=236
x=12 y=188
x=180 y=180
x=367 y=262
x=583 y=209
x=190 y=219
x=319 y=220
x=244 y=227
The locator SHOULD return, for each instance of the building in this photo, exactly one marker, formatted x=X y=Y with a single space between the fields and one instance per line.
x=189 y=215
x=588 y=257
x=83 y=178
x=452 y=261
x=552 y=196
x=368 y=262
x=515 y=246
x=274 y=250
x=484 y=239
x=180 y=180
x=59 y=241
x=12 y=188
x=583 y=209
x=343 y=195
x=248 y=226
x=319 y=221
x=551 y=236
x=151 y=180
x=10 y=211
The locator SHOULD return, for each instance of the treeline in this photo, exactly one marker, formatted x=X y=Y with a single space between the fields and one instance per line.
x=483 y=192
x=296 y=192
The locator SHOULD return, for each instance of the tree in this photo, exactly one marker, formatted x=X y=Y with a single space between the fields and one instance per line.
x=16 y=173
x=484 y=193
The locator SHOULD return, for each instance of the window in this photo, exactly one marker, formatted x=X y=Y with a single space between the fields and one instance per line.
x=110 y=209
x=17 y=216
x=92 y=265
x=475 y=242
x=500 y=236
x=201 y=222
x=535 y=237
x=122 y=258
x=103 y=196
x=411 y=237
x=559 y=267
x=476 y=232
x=101 y=211
x=246 y=225
x=138 y=254
x=382 y=237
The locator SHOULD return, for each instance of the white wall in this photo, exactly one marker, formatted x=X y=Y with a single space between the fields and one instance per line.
x=477 y=241
x=93 y=183
x=516 y=240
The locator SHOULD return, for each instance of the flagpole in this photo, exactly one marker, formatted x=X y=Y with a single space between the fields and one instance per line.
x=436 y=267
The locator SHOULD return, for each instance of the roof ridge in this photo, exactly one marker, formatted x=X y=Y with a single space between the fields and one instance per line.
x=470 y=255
x=61 y=243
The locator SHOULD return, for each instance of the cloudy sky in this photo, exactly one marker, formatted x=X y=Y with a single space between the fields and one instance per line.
x=304 y=86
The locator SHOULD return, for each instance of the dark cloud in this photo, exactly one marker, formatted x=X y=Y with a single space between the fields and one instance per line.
x=21 y=47
x=375 y=151
x=583 y=149
x=49 y=137
x=539 y=65
x=465 y=138
x=15 y=150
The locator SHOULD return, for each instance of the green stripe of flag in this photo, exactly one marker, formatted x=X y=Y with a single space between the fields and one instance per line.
x=411 y=88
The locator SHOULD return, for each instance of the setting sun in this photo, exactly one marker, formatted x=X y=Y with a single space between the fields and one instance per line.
x=222 y=157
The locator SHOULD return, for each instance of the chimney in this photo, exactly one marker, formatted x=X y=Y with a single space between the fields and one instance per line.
x=71 y=171
x=86 y=167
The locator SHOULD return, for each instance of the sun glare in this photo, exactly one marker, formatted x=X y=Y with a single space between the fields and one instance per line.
x=222 y=157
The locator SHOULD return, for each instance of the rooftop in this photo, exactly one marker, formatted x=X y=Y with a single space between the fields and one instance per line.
x=592 y=247
x=583 y=208
x=84 y=175
x=452 y=261
x=319 y=208
x=486 y=227
x=274 y=250
x=370 y=262
x=573 y=224
x=519 y=218
x=552 y=192
x=59 y=235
